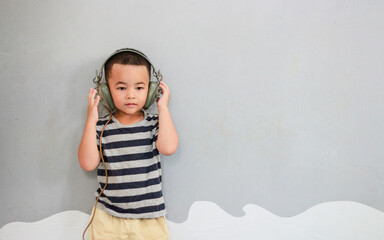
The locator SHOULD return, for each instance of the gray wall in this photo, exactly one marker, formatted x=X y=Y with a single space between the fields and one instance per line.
x=277 y=103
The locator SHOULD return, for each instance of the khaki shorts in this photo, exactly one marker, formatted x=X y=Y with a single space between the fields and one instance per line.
x=107 y=227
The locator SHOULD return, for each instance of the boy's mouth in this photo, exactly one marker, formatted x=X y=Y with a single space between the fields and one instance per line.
x=130 y=104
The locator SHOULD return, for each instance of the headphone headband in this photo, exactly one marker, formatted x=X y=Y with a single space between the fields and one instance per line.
x=99 y=75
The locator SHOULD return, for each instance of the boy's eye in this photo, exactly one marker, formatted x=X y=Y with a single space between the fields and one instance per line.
x=121 y=88
x=139 y=88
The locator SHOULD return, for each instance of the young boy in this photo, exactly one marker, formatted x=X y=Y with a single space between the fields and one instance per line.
x=132 y=205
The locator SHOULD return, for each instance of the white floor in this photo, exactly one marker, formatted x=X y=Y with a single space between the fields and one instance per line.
x=207 y=221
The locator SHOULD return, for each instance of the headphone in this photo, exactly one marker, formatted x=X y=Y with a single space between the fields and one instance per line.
x=103 y=90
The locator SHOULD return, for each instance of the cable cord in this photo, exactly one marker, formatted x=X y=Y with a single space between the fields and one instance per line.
x=106 y=176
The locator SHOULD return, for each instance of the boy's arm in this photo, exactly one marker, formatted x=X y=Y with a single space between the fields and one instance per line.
x=88 y=153
x=167 y=138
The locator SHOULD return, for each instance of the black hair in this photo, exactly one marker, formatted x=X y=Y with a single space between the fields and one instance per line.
x=126 y=58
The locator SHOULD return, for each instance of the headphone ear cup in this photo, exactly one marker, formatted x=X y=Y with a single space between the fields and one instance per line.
x=105 y=96
x=153 y=93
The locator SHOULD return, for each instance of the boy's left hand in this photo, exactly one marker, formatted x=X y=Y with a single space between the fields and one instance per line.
x=163 y=101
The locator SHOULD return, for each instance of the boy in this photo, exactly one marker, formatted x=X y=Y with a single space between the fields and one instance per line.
x=132 y=205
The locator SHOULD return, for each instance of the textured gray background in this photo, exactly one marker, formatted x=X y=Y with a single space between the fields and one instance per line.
x=277 y=103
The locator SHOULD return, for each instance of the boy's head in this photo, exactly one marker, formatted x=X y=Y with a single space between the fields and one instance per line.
x=126 y=58
x=128 y=75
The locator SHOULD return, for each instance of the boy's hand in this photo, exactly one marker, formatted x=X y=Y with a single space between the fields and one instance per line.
x=163 y=101
x=93 y=113
x=167 y=139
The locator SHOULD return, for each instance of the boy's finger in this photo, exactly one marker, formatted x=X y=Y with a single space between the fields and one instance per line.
x=89 y=94
x=94 y=92
x=164 y=83
x=165 y=86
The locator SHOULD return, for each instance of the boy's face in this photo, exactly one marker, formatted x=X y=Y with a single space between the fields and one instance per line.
x=128 y=85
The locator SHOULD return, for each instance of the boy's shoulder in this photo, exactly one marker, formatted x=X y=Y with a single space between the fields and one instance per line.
x=103 y=119
x=151 y=116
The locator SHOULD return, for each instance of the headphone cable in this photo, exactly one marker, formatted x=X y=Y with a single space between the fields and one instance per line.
x=106 y=176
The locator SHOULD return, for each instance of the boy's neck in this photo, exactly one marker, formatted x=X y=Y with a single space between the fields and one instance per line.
x=128 y=119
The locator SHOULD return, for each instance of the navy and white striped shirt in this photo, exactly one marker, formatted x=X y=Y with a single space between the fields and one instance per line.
x=133 y=163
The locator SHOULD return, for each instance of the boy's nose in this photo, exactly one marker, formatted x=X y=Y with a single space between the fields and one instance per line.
x=130 y=94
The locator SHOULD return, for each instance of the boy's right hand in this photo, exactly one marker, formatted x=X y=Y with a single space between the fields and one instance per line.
x=93 y=112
